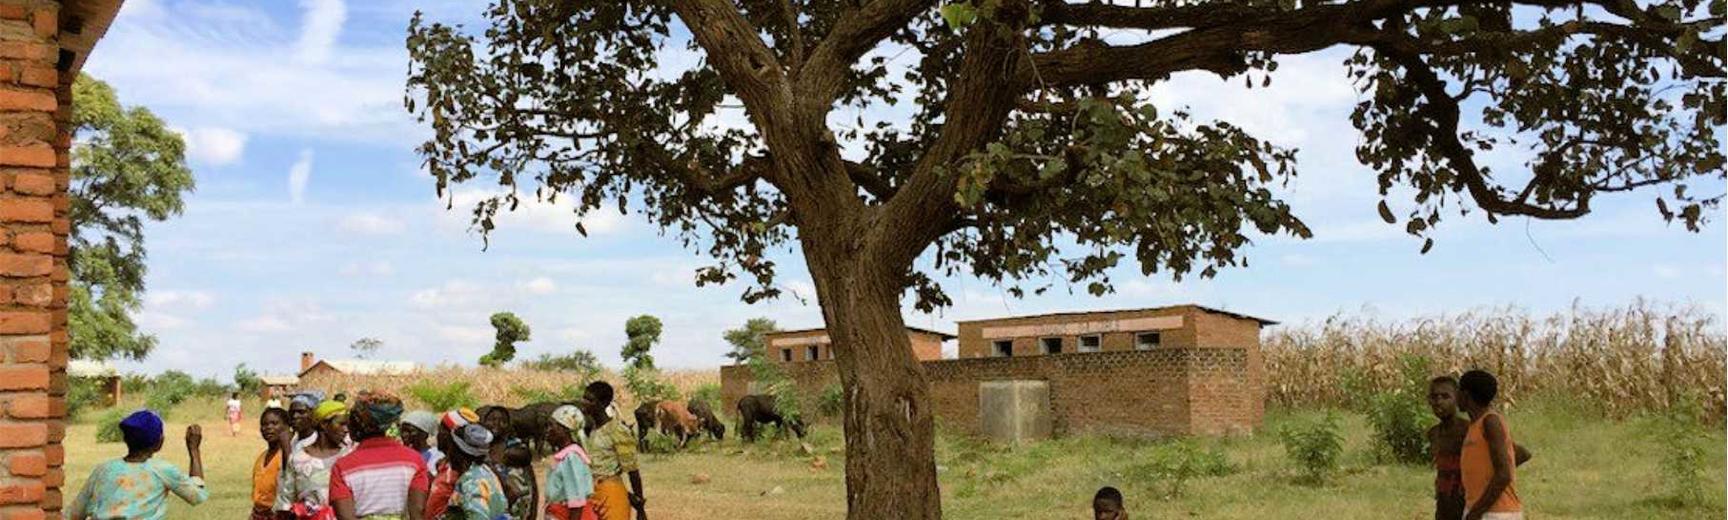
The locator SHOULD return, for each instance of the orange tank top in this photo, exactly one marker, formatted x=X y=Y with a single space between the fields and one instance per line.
x=1477 y=469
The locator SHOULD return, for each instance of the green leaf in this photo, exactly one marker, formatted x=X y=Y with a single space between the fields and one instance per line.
x=959 y=15
x=1668 y=12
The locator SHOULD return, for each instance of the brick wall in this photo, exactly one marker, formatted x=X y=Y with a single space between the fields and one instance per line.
x=1181 y=326
x=1169 y=391
x=35 y=105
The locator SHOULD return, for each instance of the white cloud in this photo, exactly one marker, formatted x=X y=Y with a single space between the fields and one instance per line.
x=181 y=299
x=1666 y=271
x=461 y=334
x=265 y=323
x=374 y=268
x=540 y=286
x=531 y=214
x=452 y=293
x=298 y=176
x=367 y=223
x=158 y=321
x=286 y=316
x=319 y=29
x=215 y=146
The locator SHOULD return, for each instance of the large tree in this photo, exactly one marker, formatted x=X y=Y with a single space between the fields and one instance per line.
x=1018 y=125
x=127 y=167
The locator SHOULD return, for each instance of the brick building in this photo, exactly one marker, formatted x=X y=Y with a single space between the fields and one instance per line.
x=1165 y=371
x=794 y=346
x=43 y=43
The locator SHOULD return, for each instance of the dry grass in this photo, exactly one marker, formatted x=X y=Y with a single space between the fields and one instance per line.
x=505 y=386
x=1634 y=359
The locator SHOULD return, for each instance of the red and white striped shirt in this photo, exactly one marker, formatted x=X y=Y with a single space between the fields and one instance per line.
x=377 y=477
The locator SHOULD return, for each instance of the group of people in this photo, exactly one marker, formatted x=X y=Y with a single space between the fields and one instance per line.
x=327 y=459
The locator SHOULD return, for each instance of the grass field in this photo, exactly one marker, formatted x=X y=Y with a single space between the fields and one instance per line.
x=1584 y=468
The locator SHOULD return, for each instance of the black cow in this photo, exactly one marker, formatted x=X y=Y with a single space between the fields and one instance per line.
x=756 y=409
x=710 y=422
x=644 y=423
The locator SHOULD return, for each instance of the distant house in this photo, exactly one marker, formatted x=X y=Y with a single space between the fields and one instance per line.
x=277 y=385
x=796 y=346
x=99 y=371
x=314 y=371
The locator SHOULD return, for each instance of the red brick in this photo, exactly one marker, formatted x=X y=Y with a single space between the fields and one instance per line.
x=54 y=478
x=55 y=454
x=13 y=12
x=20 y=100
x=47 y=22
x=31 y=183
x=24 y=322
x=60 y=272
x=26 y=210
x=27 y=514
x=37 y=155
x=27 y=464
x=60 y=226
x=40 y=77
x=34 y=406
x=38 y=242
x=26 y=51
x=56 y=431
x=33 y=295
x=25 y=265
x=23 y=435
x=22 y=377
x=34 y=351
x=22 y=492
x=51 y=498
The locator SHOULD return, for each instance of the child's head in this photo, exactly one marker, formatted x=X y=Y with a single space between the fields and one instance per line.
x=1107 y=505
x=271 y=423
x=565 y=426
x=1443 y=397
x=143 y=433
x=234 y=395
x=1478 y=388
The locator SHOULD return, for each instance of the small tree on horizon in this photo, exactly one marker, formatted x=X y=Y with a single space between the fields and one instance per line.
x=1016 y=141
x=643 y=332
x=365 y=348
x=747 y=340
x=508 y=330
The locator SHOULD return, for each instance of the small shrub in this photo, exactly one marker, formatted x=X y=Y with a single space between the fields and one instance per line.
x=108 y=426
x=657 y=442
x=1400 y=421
x=832 y=402
x=83 y=394
x=448 y=396
x=1177 y=463
x=565 y=394
x=581 y=362
x=645 y=385
x=1683 y=457
x=1314 y=445
x=708 y=393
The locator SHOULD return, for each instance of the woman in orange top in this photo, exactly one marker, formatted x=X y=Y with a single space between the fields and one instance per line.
x=1486 y=461
x=268 y=467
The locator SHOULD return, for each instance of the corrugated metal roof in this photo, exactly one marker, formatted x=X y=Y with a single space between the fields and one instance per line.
x=367 y=367
x=272 y=380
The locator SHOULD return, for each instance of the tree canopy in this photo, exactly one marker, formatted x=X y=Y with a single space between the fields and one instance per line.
x=641 y=333
x=747 y=340
x=507 y=331
x=128 y=167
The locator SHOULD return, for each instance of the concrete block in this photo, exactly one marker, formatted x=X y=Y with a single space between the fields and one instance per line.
x=1016 y=411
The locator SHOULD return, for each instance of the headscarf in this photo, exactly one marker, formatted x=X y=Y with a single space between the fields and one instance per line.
x=328 y=409
x=381 y=408
x=142 y=428
x=473 y=439
x=569 y=417
x=310 y=398
x=422 y=420
x=456 y=419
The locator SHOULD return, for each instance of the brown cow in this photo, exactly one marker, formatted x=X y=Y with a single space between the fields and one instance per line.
x=676 y=420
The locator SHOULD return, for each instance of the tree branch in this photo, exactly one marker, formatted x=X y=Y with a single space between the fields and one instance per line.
x=857 y=31
x=872 y=182
x=735 y=50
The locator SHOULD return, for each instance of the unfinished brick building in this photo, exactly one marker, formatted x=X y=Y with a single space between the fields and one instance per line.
x=1163 y=371
x=43 y=43
x=792 y=346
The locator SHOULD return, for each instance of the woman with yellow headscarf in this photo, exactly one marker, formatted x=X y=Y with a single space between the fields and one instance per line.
x=304 y=489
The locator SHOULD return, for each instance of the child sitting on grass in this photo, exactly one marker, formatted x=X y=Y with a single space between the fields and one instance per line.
x=137 y=486
x=1107 y=505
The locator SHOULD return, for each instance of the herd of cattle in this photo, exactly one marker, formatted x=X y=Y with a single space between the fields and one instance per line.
x=682 y=421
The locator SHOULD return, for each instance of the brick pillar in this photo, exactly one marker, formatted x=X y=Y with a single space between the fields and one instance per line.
x=35 y=105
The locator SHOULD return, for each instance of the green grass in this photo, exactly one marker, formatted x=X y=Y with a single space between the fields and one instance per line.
x=1584 y=467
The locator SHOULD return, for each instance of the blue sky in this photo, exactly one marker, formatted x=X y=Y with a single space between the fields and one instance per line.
x=313 y=225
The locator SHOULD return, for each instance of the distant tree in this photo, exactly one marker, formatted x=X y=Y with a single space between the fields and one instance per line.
x=643 y=333
x=127 y=168
x=579 y=361
x=365 y=348
x=508 y=330
x=247 y=380
x=747 y=341
x=897 y=142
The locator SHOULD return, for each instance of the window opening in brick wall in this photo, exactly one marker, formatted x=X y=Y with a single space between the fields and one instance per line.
x=1051 y=345
x=1003 y=348
x=786 y=355
x=1091 y=343
x=813 y=352
x=1146 y=341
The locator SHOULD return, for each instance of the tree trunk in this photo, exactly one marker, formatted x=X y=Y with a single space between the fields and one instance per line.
x=890 y=437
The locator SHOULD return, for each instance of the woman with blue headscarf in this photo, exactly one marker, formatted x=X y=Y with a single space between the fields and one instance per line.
x=137 y=486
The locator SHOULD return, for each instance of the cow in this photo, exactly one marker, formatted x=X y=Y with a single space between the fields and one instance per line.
x=709 y=422
x=676 y=421
x=756 y=409
x=645 y=422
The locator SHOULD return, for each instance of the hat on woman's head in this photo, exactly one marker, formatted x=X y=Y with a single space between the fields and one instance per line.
x=569 y=417
x=423 y=420
x=142 y=429
x=473 y=439
x=456 y=419
x=329 y=409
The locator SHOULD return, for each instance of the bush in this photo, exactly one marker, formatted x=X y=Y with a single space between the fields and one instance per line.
x=108 y=426
x=83 y=394
x=581 y=362
x=708 y=393
x=1314 y=445
x=1178 y=462
x=247 y=380
x=1683 y=456
x=645 y=385
x=1400 y=421
x=448 y=396
x=832 y=402
x=565 y=394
